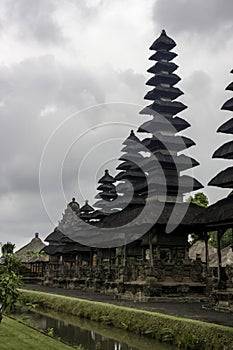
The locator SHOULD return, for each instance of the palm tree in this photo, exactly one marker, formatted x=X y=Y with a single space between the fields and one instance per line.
x=7 y=248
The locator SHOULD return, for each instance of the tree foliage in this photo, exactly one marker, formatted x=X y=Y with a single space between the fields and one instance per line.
x=226 y=239
x=8 y=248
x=200 y=199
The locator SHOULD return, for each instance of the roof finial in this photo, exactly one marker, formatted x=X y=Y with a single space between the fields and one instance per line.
x=164 y=32
x=106 y=171
x=86 y=202
x=131 y=133
x=73 y=199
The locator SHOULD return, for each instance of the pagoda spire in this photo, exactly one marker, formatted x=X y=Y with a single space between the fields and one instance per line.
x=224 y=179
x=107 y=193
x=164 y=125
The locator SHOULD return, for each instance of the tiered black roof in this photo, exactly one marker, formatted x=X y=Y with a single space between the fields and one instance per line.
x=131 y=171
x=164 y=125
x=107 y=193
x=225 y=178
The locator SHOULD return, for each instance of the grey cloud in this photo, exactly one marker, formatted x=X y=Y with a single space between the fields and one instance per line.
x=33 y=20
x=194 y=16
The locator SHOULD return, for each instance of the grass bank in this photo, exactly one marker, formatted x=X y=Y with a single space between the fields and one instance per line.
x=15 y=335
x=184 y=333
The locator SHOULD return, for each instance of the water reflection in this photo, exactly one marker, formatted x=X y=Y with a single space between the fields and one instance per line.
x=92 y=335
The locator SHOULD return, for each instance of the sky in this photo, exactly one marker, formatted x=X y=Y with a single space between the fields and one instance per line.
x=72 y=82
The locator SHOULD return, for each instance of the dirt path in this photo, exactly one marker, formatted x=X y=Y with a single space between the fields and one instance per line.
x=192 y=310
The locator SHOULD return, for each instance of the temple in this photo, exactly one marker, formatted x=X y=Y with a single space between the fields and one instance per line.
x=152 y=257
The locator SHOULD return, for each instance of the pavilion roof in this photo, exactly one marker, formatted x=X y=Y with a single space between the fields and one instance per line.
x=57 y=236
x=65 y=249
x=218 y=214
x=34 y=246
x=185 y=215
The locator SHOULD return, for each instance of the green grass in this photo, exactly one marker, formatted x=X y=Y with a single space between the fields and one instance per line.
x=16 y=336
x=184 y=333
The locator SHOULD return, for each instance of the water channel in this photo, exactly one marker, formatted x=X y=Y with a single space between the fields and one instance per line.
x=91 y=335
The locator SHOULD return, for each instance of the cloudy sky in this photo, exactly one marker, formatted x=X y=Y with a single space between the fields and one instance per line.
x=72 y=81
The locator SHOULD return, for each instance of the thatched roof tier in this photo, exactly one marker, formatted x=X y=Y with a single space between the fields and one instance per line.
x=163 y=55
x=224 y=179
x=134 y=157
x=163 y=91
x=86 y=208
x=172 y=185
x=130 y=138
x=162 y=124
x=166 y=106
x=138 y=187
x=163 y=78
x=184 y=215
x=132 y=147
x=130 y=174
x=169 y=67
x=218 y=214
x=226 y=128
x=106 y=187
x=107 y=178
x=161 y=142
x=108 y=196
x=182 y=183
x=66 y=249
x=179 y=163
x=127 y=165
x=28 y=252
x=230 y=87
x=225 y=151
x=228 y=105
x=163 y=42
x=57 y=237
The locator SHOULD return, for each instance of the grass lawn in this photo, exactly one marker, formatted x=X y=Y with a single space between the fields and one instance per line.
x=16 y=336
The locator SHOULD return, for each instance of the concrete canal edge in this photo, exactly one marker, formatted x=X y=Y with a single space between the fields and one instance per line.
x=182 y=332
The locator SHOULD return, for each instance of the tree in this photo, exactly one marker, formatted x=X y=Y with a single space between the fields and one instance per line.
x=10 y=281
x=200 y=199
